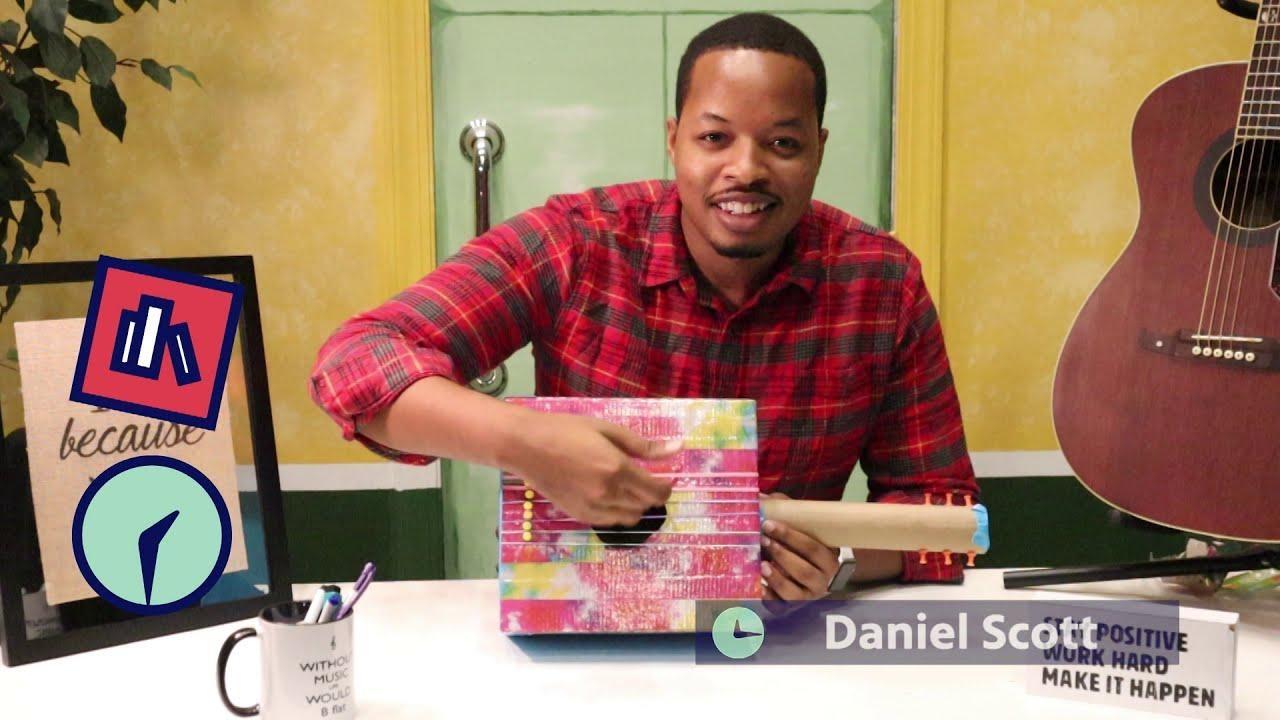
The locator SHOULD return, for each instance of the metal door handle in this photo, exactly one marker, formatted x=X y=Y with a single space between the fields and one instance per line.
x=482 y=143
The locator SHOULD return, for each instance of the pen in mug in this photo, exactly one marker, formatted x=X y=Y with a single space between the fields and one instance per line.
x=317 y=604
x=330 y=608
x=362 y=584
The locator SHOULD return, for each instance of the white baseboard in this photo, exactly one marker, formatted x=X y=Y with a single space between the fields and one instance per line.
x=1026 y=463
x=348 y=476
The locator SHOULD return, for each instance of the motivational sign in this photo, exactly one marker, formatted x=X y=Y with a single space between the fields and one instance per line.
x=70 y=443
x=1131 y=665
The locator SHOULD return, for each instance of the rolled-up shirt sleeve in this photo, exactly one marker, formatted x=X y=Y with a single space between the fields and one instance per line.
x=497 y=293
x=917 y=451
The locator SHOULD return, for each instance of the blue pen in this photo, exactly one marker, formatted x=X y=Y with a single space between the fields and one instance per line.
x=362 y=584
x=330 y=608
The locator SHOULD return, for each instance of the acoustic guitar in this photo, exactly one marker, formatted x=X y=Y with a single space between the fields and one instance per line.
x=1166 y=400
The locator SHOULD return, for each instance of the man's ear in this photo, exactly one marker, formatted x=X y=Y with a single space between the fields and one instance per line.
x=822 y=144
x=671 y=139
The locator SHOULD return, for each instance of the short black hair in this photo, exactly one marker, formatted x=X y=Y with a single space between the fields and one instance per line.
x=754 y=31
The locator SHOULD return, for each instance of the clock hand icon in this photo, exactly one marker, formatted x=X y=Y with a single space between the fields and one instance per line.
x=149 y=547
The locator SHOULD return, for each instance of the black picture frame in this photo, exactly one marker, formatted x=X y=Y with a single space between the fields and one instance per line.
x=16 y=647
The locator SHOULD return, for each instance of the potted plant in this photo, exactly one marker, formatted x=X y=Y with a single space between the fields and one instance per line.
x=39 y=56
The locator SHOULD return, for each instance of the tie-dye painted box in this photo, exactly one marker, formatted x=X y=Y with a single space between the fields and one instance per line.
x=556 y=575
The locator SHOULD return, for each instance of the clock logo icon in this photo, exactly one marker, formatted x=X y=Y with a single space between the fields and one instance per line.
x=737 y=633
x=151 y=535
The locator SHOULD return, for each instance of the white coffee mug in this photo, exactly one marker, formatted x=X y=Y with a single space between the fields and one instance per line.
x=307 y=670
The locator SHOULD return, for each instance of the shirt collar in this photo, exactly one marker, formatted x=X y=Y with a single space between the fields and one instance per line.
x=668 y=256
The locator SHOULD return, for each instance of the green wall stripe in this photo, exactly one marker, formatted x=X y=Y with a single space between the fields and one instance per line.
x=1043 y=521
x=333 y=533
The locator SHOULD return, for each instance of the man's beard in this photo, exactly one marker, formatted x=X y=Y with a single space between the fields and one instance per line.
x=739 y=252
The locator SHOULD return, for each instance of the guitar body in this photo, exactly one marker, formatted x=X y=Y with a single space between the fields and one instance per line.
x=1185 y=440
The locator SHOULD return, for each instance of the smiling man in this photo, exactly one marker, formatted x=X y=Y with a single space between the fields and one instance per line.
x=730 y=282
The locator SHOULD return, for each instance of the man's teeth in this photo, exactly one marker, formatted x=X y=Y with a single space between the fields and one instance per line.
x=737 y=208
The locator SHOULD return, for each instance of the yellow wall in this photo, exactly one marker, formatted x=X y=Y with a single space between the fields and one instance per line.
x=1039 y=194
x=284 y=155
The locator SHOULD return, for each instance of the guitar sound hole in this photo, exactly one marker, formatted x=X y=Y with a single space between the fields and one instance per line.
x=637 y=534
x=1246 y=184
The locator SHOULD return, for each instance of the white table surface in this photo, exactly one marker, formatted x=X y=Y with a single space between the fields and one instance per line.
x=432 y=650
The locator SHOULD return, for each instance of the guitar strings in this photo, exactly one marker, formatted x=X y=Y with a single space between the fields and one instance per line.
x=1222 y=212
x=1247 y=210
x=1270 y=67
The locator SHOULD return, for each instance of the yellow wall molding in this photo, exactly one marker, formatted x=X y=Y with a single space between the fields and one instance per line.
x=406 y=222
x=918 y=133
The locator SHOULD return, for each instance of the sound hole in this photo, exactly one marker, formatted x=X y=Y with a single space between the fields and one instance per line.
x=634 y=534
x=1246 y=184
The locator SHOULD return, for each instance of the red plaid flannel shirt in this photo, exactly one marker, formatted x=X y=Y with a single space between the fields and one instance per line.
x=841 y=348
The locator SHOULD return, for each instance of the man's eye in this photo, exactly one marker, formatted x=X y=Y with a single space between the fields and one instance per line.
x=787 y=143
x=713 y=137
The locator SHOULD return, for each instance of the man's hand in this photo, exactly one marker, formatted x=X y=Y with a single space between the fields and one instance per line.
x=586 y=467
x=796 y=567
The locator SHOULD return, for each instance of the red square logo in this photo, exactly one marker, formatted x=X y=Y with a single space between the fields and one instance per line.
x=157 y=342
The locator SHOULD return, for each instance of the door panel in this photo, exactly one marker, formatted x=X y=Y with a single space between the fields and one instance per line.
x=579 y=102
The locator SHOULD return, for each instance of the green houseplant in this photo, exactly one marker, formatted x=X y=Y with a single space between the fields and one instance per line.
x=38 y=57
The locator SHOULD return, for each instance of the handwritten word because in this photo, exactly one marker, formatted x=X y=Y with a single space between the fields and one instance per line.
x=130 y=438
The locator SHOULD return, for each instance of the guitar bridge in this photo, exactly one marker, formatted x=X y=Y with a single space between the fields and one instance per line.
x=1256 y=353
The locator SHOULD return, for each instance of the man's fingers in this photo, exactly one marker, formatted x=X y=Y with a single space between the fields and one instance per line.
x=637 y=446
x=782 y=586
x=645 y=486
x=817 y=554
x=798 y=569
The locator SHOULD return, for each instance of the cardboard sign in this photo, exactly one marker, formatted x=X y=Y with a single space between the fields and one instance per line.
x=1134 y=670
x=69 y=443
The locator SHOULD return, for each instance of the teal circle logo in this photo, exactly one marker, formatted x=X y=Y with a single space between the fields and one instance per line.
x=151 y=535
x=738 y=633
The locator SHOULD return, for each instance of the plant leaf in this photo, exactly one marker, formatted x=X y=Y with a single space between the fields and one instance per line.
x=55 y=208
x=57 y=150
x=29 y=226
x=20 y=69
x=35 y=148
x=12 y=187
x=95 y=11
x=10 y=136
x=9 y=30
x=157 y=72
x=49 y=16
x=186 y=74
x=60 y=55
x=63 y=109
x=109 y=108
x=99 y=60
x=15 y=103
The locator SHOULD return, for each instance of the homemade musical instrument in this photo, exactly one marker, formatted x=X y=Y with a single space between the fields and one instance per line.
x=559 y=575
x=1167 y=389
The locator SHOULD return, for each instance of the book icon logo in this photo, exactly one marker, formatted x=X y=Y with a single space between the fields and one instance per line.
x=145 y=335
x=157 y=342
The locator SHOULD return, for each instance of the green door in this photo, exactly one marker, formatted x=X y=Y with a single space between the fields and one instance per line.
x=581 y=98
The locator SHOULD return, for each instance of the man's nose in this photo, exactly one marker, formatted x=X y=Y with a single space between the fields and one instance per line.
x=747 y=164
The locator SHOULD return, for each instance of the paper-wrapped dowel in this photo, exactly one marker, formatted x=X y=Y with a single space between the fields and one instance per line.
x=884 y=526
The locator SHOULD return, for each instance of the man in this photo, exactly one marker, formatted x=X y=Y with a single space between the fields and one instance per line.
x=731 y=282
